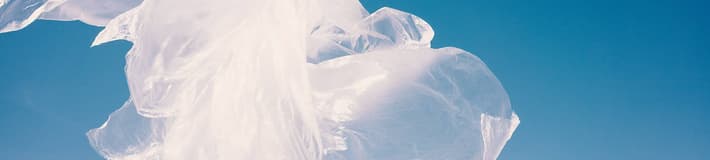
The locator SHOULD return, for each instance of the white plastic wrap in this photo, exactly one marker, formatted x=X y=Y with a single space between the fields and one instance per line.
x=285 y=79
x=17 y=14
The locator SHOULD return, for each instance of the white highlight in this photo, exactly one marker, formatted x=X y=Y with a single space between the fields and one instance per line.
x=285 y=79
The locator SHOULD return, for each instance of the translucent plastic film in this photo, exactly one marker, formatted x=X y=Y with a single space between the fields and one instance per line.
x=16 y=14
x=286 y=79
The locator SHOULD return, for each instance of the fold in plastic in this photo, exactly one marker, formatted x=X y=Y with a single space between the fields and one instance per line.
x=17 y=14
x=285 y=79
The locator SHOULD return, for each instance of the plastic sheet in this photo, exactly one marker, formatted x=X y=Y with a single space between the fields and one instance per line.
x=284 y=79
x=17 y=14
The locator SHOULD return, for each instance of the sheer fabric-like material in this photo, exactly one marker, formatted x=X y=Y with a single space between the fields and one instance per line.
x=285 y=79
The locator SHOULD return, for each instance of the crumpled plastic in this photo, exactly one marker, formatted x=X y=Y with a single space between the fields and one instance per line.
x=285 y=79
x=17 y=14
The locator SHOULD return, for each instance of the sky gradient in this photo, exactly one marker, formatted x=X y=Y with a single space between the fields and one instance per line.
x=612 y=80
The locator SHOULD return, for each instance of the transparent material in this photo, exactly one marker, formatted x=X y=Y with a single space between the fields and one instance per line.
x=17 y=14
x=286 y=79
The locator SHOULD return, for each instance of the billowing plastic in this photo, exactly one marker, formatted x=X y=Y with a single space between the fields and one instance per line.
x=286 y=79
x=17 y=14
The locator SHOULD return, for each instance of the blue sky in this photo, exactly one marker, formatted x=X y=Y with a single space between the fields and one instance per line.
x=612 y=80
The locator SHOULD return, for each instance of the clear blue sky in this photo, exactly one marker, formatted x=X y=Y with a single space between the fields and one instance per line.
x=591 y=80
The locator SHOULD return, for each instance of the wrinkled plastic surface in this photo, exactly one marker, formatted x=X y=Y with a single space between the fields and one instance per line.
x=284 y=79
x=17 y=14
